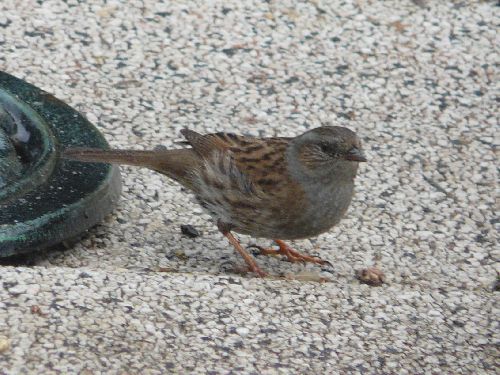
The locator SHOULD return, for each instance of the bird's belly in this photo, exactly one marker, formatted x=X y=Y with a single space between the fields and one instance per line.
x=325 y=210
x=318 y=221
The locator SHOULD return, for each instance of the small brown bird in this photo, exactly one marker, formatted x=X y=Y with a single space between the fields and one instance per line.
x=278 y=188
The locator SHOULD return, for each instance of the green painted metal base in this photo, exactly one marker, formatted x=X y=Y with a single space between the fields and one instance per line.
x=45 y=200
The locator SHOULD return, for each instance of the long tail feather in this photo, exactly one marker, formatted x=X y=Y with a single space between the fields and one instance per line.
x=177 y=164
x=130 y=157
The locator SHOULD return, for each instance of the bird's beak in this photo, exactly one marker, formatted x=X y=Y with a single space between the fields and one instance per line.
x=355 y=154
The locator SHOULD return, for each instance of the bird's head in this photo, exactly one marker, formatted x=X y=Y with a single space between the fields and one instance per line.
x=332 y=151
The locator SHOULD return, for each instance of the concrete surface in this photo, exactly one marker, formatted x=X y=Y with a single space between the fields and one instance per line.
x=418 y=80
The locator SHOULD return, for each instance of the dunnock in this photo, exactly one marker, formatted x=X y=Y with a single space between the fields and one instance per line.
x=278 y=188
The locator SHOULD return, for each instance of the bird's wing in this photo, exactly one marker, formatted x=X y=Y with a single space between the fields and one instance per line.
x=205 y=144
x=255 y=157
x=245 y=183
x=263 y=160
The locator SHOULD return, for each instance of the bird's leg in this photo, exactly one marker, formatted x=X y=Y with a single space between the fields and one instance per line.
x=291 y=254
x=248 y=258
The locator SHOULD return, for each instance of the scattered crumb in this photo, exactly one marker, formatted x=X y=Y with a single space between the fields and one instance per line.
x=165 y=269
x=4 y=344
x=181 y=255
x=35 y=309
x=307 y=276
x=371 y=276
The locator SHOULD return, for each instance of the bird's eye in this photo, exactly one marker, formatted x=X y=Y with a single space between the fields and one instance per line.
x=327 y=148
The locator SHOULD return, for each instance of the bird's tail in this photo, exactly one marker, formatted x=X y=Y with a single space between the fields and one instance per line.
x=130 y=157
x=177 y=164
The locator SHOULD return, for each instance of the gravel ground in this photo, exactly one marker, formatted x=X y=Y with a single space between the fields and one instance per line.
x=418 y=80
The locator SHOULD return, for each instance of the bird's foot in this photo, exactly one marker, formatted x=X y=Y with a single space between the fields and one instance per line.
x=292 y=255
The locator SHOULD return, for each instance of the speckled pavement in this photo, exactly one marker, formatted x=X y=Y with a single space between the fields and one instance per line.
x=418 y=80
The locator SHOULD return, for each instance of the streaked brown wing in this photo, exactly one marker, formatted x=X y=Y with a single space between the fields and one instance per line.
x=261 y=160
x=205 y=144
x=251 y=176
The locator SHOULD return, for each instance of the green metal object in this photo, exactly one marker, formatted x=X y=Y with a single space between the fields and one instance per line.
x=45 y=200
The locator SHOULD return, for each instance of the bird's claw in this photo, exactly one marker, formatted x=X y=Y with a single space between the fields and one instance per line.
x=292 y=255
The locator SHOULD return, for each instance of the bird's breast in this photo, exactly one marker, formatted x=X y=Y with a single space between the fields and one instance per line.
x=326 y=207
x=321 y=208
